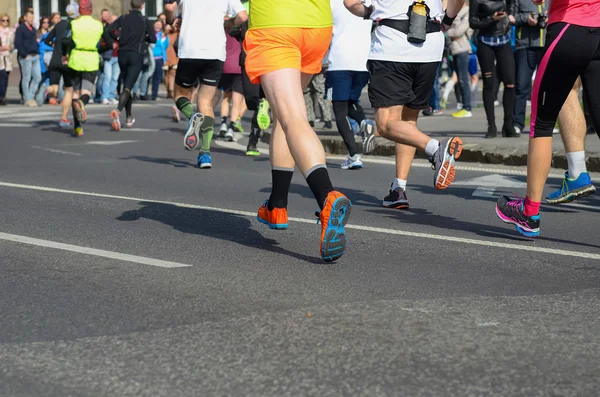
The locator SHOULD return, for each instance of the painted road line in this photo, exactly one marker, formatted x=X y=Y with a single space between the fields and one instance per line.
x=57 y=151
x=90 y=251
x=16 y=125
x=471 y=241
x=107 y=143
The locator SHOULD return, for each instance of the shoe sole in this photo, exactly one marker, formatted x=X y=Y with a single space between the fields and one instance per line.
x=191 y=140
x=115 y=121
x=77 y=134
x=130 y=125
x=573 y=195
x=446 y=173
x=80 y=112
x=334 y=242
x=527 y=233
x=368 y=145
x=252 y=153
x=229 y=138
x=353 y=167
x=398 y=206
x=274 y=226
x=262 y=118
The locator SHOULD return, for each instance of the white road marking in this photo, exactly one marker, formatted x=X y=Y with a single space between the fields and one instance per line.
x=90 y=251
x=484 y=192
x=57 y=151
x=16 y=125
x=487 y=185
x=404 y=233
x=125 y=129
x=108 y=143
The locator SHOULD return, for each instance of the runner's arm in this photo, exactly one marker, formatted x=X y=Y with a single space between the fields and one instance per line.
x=359 y=8
x=171 y=10
x=454 y=7
x=49 y=40
x=150 y=35
x=112 y=28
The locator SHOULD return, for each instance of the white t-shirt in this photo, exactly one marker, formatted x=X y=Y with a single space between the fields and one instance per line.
x=202 y=34
x=391 y=45
x=351 y=40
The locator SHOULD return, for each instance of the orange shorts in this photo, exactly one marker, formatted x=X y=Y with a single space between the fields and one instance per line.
x=271 y=49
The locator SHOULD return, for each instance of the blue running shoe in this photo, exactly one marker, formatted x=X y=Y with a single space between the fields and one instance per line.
x=510 y=210
x=204 y=160
x=572 y=189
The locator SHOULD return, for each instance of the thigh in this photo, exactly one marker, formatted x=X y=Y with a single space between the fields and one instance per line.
x=237 y=84
x=486 y=57
x=187 y=73
x=210 y=72
x=423 y=84
x=391 y=83
x=473 y=67
x=75 y=78
x=505 y=59
x=359 y=82
x=251 y=91
x=54 y=76
x=338 y=84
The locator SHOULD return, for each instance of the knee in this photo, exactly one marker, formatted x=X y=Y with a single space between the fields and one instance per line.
x=382 y=123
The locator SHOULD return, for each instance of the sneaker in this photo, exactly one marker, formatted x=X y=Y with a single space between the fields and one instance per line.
x=53 y=102
x=262 y=117
x=333 y=218
x=518 y=130
x=352 y=163
x=328 y=125
x=443 y=103
x=78 y=132
x=115 y=120
x=230 y=135
x=496 y=103
x=251 y=150
x=223 y=130
x=175 y=115
x=572 y=189
x=396 y=199
x=510 y=210
x=114 y=101
x=64 y=124
x=130 y=122
x=204 y=160
x=238 y=127
x=105 y=101
x=191 y=140
x=275 y=219
x=79 y=109
x=462 y=114
x=367 y=133
x=443 y=162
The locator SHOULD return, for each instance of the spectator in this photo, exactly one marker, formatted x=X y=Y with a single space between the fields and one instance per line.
x=7 y=39
x=160 y=56
x=314 y=94
x=54 y=19
x=494 y=49
x=111 y=72
x=105 y=18
x=170 y=66
x=45 y=52
x=460 y=47
x=29 y=59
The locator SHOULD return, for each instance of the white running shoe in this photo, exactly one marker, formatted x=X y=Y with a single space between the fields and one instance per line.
x=230 y=135
x=191 y=140
x=106 y=102
x=367 y=132
x=352 y=163
x=175 y=114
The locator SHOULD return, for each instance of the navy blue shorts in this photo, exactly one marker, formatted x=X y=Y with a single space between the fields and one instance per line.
x=473 y=70
x=345 y=85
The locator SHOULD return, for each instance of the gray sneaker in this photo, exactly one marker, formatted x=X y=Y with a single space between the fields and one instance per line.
x=191 y=140
x=396 y=199
x=443 y=162
x=367 y=132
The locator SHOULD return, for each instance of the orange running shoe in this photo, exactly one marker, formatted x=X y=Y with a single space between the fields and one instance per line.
x=115 y=120
x=79 y=110
x=333 y=217
x=443 y=162
x=52 y=101
x=276 y=219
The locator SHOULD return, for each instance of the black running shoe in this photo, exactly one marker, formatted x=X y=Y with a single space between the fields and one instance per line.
x=510 y=210
x=396 y=199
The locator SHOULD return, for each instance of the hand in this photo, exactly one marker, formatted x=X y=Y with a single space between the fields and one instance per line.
x=512 y=19
x=498 y=16
x=115 y=45
x=65 y=60
x=531 y=20
x=445 y=28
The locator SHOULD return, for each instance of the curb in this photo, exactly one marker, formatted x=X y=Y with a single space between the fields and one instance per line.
x=470 y=155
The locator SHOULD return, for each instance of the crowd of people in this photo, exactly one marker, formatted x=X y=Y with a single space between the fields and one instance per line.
x=290 y=56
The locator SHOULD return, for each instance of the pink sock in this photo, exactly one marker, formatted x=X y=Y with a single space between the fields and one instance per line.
x=531 y=208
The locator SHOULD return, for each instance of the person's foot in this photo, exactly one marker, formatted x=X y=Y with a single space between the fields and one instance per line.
x=3 y=101
x=262 y=117
x=352 y=163
x=510 y=210
x=572 y=189
x=333 y=218
x=443 y=162
x=204 y=160
x=367 y=133
x=492 y=131
x=64 y=124
x=238 y=127
x=223 y=130
x=115 y=118
x=328 y=125
x=518 y=130
x=251 y=150
x=275 y=219
x=105 y=101
x=443 y=103
x=175 y=115
x=31 y=103
x=462 y=114
x=508 y=131
x=114 y=101
x=459 y=106
x=78 y=131
x=396 y=199
x=230 y=135
x=590 y=128
x=130 y=122
x=312 y=124
x=79 y=110
x=191 y=140
x=52 y=102
x=432 y=112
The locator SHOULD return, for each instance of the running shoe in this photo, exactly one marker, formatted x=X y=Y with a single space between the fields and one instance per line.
x=130 y=122
x=396 y=199
x=275 y=219
x=333 y=218
x=53 y=102
x=262 y=117
x=105 y=101
x=78 y=132
x=115 y=120
x=510 y=210
x=251 y=150
x=230 y=135
x=443 y=162
x=572 y=189
x=328 y=125
x=191 y=140
x=79 y=109
x=238 y=127
x=352 y=163
x=367 y=133
x=175 y=115
x=462 y=114
x=204 y=160
x=64 y=124
x=223 y=130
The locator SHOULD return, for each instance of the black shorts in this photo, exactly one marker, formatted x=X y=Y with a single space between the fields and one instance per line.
x=232 y=82
x=205 y=71
x=82 y=80
x=401 y=83
x=55 y=74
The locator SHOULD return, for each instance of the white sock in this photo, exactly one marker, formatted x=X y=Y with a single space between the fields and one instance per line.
x=448 y=89
x=576 y=161
x=432 y=147
x=399 y=183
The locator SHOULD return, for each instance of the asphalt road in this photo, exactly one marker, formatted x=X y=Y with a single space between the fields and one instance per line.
x=126 y=271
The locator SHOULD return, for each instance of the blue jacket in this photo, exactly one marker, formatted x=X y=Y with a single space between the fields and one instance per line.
x=43 y=48
x=26 y=41
x=160 y=49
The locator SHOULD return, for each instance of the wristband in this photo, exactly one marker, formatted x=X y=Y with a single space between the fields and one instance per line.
x=447 y=20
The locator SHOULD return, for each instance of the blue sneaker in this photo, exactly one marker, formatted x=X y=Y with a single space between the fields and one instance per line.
x=352 y=163
x=204 y=160
x=572 y=189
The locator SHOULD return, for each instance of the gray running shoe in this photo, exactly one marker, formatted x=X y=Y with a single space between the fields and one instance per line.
x=191 y=140
x=367 y=132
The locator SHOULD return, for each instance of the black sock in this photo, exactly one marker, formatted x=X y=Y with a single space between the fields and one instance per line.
x=320 y=184
x=356 y=112
x=340 y=109
x=282 y=178
x=123 y=99
x=232 y=125
x=76 y=122
x=85 y=98
x=224 y=120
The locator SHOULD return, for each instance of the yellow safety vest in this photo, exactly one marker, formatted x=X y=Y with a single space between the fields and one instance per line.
x=290 y=13
x=86 y=33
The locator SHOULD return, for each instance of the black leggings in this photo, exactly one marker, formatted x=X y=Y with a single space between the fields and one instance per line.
x=503 y=56
x=570 y=51
x=131 y=64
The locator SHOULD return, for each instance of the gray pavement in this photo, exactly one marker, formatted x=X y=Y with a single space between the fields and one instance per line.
x=438 y=300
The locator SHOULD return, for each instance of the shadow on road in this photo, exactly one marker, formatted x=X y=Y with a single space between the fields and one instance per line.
x=214 y=224
x=177 y=163
x=358 y=197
